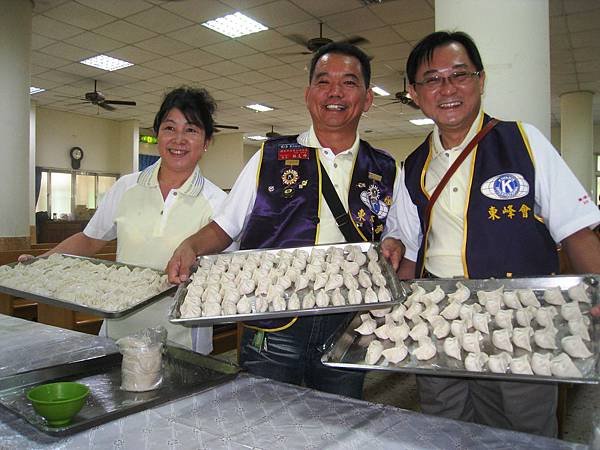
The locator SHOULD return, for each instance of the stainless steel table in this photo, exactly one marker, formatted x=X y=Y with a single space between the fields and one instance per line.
x=252 y=412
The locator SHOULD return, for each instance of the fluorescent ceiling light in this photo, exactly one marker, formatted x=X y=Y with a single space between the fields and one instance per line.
x=379 y=91
x=260 y=108
x=421 y=121
x=257 y=138
x=235 y=25
x=106 y=63
x=35 y=90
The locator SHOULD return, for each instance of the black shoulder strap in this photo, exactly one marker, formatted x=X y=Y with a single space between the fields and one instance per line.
x=341 y=216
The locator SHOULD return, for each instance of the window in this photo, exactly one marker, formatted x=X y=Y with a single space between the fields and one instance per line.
x=71 y=195
x=598 y=180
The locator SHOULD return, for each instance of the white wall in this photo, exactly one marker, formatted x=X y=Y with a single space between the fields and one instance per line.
x=398 y=148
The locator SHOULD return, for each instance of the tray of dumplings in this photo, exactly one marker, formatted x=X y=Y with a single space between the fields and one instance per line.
x=530 y=329
x=96 y=286
x=272 y=284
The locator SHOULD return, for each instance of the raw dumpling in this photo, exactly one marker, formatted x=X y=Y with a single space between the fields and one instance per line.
x=373 y=267
x=370 y=296
x=501 y=339
x=246 y=286
x=575 y=347
x=320 y=281
x=475 y=362
x=337 y=299
x=229 y=308
x=544 y=316
x=528 y=298
x=374 y=351
x=335 y=281
x=570 y=311
x=190 y=308
x=293 y=302
x=511 y=300
x=262 y=304
x=413 y=311
x=499 y=363
x=425 y=350
x=458 y=328
x=398 y=333
x=419 y=331
x=382 y=331
x=461 y=294
x=363 y=279
x=521 y=365
x=540 y=364
x=279 y=304
x=481 y=321
x=441 y=327
x=309 y=301
x=379 y=279
x=545 y=338
x=522 y=337
x=354 y=297
x=578 y=293
x=395 y=354
x=301 y=282
x=452 y=348
x=470 y=341
x=350 y=267
x=504 y=318
x=367 y=327
x=484 y=296
x=563 y=366
x=553 y=296
x=398 y=313
x=525 y=315
x=322 y=299
x=416 y=294
x=436 y=296
x=383 y=295
x=578 y=327
x=431 y=310
x=210 y=309
x=466 y=314
x=451 y=311
x=493 y=305
x=243 y=305
x=380 y=312
x=372 y=254
x=349 y=281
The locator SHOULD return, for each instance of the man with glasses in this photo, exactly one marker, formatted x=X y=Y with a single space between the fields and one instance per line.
x=500 y=213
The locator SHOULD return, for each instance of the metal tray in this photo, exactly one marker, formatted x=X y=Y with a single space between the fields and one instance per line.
x=185 y=373
x=398 y=293
x=348 y=348
x=79 y=307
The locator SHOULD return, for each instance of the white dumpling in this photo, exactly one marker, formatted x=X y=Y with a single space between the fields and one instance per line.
x=540 y=364
x=210 y=309
x=395 y=354
x=431 y=309
x=294 y=301
x=301 y=282
x=470 y=341
x=553 y=296
x=370 y=296
x=372 y=254
x=570 y=311
x=426 y=350
x=466 y=314
x=413 y=311
x=451 y=311
x=367 y=327
x=578 y=293
x=545 y=338
x=312 y=270
x=419 y=331
x=544 y=316
x=578 y=327
x=504 y=318
x=525 y=315
x=195 y=289
x=309 y=301
x=398 y=313
x=481 y=322
x=441 y=327
x=279 y=304
x=476 y=362
x=522 y=337
x=452 y=348
x=416 y=295
x=563 y=366
x=436 y=296
x=333 y=268
x=485 y=296
x=493 y=305
x=190 y=307
x=528 y=298
x=320 y=281
x=246 y=286
x=398 y=333
x=275 y=291
x=461 y=294
x=262 y=304
x=363 y=279
x=350 y=267
x=511 y=300
x=575 y=347
x=501 y=339
x=521 y=365
x=229 y=308
x=383 y=295
x=354 y=297
x=458 y=328
x=380 y=312
x=379 y=279
x=337 y=299
x=374 y=351
x=299 y=263
x=243 y=305
x=499 y=363
x=322 y=299
x=373 y=267
x=335 y=281
x=231 y=296
x=382 y=331
x=349 y=281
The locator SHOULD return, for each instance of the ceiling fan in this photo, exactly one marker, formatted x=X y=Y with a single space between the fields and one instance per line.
x=219 y=127
x=97 y=98
x=403 y=97
x=314 y=44
x=272 y=133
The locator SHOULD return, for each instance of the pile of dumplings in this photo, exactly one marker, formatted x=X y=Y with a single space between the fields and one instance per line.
x=109 y=287
x=266 y=281
x=502 y=331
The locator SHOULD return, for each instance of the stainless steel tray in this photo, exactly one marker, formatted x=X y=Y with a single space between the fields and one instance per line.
x=398 y=293
x=185 y=373
x=79 y=307
x=348 y=349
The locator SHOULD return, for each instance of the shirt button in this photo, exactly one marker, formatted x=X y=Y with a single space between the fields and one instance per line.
x=175 y=193
x=316 y=220
x=455 y=189
x=335 y=165
x=161 y=213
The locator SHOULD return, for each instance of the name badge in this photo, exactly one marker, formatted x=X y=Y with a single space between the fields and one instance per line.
x=292 y=151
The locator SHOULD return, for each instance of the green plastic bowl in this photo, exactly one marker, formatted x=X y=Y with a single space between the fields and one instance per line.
x=58 y=403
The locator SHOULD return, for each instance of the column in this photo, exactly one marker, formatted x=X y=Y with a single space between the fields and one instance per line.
x=15 y=34
x=129 y=143
x=577 y=137
x=513 y=39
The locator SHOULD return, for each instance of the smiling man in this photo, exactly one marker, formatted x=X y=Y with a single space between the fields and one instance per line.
x=278 y=202
x=500 y=214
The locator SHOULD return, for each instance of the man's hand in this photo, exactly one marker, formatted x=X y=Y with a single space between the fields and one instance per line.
x=595 y=311
x=393 y=250
x=180 y=263
x=25 y=257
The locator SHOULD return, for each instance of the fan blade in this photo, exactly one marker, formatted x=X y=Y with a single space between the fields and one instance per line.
x=105 y=106
x=227 y=127
x=292 y=53
x=355 y=40
x=297 y=39
x=119 y=102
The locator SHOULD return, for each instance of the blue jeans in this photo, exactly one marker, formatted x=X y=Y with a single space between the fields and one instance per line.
x=294 y=355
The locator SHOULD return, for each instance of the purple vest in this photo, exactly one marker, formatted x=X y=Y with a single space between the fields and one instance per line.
x=503 y=236
x=285 y=212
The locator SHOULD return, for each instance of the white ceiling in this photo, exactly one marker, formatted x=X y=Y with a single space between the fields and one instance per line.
x=169 y=48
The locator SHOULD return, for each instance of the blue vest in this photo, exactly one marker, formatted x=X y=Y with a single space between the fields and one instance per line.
x=286 y=210
x=503 y=236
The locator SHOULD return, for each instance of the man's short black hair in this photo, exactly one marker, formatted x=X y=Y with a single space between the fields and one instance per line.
x=197 y=105
x=423 y=51
x=343 y=48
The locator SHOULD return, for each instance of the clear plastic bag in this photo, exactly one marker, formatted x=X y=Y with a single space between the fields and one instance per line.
x=141 y=369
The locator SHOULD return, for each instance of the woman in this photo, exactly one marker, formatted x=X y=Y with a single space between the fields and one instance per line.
x=152 y=211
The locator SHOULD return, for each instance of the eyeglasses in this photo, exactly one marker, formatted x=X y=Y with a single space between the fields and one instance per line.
x=433 y=82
